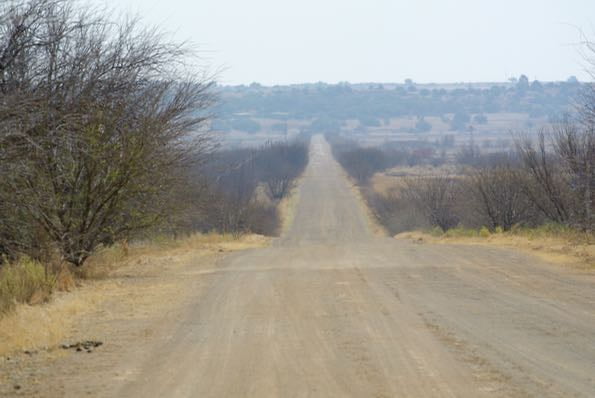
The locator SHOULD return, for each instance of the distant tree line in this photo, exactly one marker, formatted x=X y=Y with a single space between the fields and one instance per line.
x=334 y=104
x=242 y=188
x=361 y=163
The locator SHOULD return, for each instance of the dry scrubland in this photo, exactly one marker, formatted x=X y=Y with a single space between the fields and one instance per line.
x=550 y=242
x=86 y=173
x=178 y=319
x=393 y=180
x=35 y=307
x=535 y=195
x=43 y=302
x=118 y=282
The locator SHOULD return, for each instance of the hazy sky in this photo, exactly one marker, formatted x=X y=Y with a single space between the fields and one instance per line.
x=283 y=41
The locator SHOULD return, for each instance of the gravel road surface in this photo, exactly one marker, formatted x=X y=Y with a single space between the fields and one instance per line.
x=333 y=310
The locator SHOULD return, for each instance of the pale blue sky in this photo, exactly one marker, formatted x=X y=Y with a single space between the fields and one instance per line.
x=282 y=41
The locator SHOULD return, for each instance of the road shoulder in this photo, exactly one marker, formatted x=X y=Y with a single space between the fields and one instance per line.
x=128 y=312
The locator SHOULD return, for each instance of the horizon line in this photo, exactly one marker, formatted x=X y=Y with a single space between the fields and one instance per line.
x=312 y=83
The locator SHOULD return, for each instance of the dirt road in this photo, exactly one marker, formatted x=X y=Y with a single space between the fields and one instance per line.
x=332 y=310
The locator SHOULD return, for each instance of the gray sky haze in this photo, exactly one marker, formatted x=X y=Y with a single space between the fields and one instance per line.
x=282 y=42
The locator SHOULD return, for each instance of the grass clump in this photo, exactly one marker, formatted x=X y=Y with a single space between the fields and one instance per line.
x=24 y=281
x=461 y=232
x=552 y=242
x=436 y=232
x=554 y=231
x=484 y=232
x=545 y=231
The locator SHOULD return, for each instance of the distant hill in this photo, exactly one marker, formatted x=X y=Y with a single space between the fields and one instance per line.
x=330 y=106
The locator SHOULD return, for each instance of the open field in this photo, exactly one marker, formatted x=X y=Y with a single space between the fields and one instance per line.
x=392 y=179
x=496 y=135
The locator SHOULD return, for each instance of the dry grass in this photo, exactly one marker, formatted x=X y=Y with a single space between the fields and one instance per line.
x=106 y=260
x=552 y=243
x=392 y=180
x=24 y=281
x=110 y=274
x=422 y=171
x=384 y=184
x=34 y=327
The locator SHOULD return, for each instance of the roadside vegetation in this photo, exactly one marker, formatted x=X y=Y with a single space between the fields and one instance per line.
x=115 y=285
x=105 y=141
x=242 y=188
x=24 y=281
x=552 y=242
x=542 y=190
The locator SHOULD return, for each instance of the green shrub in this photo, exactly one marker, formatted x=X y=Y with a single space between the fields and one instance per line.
x=436 y=231
x=461 y=232
x=555 y=231
x=484 y=232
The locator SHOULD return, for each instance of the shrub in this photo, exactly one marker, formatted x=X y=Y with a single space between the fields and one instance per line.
x=484 y=232
x=244 y=186
x=98 y=122
x=498 y=198
x=435 y=198
x=24 y=281
x=461 y=232
x=396 y=213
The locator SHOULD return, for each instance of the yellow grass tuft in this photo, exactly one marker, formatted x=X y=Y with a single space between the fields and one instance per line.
x=34 y=327
x=106 y=260
x=24 y=281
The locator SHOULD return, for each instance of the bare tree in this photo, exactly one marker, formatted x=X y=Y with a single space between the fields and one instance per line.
x=96 y=122
x=362 y=163
x=280 y=164
x=235 y=175
x=435 y=198
x=499 y=198
x=547 y=188
x=562 y=176
x=574 y=143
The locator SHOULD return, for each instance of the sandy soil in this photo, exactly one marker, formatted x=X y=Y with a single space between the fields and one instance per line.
x=333 y=310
